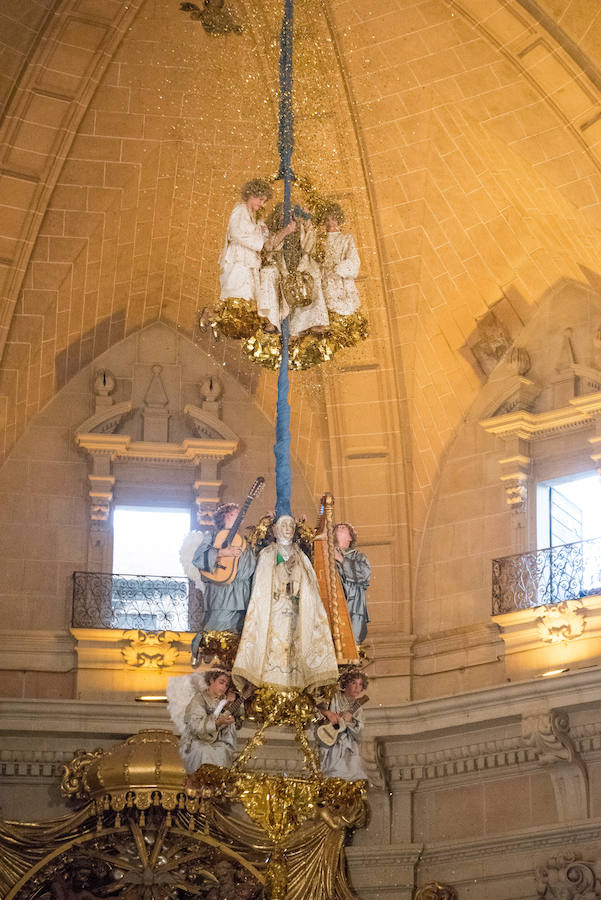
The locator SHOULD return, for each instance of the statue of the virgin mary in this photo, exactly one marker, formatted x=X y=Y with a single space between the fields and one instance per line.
x=286 y=642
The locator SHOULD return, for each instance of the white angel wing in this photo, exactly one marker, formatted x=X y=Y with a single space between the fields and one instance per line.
x=180 y=691
x=189 y=547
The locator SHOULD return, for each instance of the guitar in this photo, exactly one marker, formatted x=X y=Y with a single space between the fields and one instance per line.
x=329 y=732
x=227 y=566
x=233 y=707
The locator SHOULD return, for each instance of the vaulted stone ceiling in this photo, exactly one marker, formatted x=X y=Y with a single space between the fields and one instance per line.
x=463 y=136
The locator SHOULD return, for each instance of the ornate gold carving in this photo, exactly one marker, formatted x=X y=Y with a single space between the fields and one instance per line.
x=217 y=648
x=145 y=829
x=277 y=877
x=280 y=804
x=150 y=649
x=272 y=706
x=73 y=776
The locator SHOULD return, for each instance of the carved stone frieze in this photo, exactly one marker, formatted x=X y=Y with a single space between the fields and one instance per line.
x=462 y=760
x=562 y=622
x=568 y=877
x=150 y=649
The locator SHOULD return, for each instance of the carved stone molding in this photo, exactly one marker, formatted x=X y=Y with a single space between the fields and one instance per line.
x=581 y=411
x=568 y=877
x=562 y=622
x=150 y=649
x=463 y=760
x=515 y=473
x=34 y=763
x=529 y=841
x=37 y=650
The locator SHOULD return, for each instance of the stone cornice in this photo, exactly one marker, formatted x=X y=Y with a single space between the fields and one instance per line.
x=527 y=841
x=121 y=447
x=485 y=707
x=397 y=854
x=106 y=420
x=530 y=425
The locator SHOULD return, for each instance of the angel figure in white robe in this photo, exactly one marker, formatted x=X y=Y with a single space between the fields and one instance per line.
x=278 y=264
x=197 y=706
x=342 y=759
x=341 y=265
x=240 y=259
x=286 y=641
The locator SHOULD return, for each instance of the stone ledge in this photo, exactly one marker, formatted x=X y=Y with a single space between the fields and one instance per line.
x=526 y=841
x=487 y=706
x=38 y=651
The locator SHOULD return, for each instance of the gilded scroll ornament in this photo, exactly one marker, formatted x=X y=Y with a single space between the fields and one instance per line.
x=73 y=777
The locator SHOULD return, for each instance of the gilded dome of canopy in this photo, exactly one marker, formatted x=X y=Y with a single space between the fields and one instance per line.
x=149 y=760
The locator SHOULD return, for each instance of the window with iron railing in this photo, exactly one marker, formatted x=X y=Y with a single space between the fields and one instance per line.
x=145 y=602
x=546 y=577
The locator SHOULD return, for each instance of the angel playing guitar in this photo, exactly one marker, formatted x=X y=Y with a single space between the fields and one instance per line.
x=222 y=565
x=339 y=739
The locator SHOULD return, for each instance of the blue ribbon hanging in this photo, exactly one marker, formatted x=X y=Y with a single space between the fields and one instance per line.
x=286 y=115
x=283 y=471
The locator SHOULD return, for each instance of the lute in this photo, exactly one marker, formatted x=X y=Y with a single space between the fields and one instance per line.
x=329 y=732
x=227 y=566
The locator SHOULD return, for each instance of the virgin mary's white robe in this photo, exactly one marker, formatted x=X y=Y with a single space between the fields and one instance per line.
x=286 y=641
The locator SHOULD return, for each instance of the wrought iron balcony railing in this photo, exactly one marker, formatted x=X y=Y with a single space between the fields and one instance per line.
x=146 y=602
x=546 y=577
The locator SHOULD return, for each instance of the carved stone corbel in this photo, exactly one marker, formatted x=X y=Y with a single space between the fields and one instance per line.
x=548 y=734
x=372 y=755
x=515 y=472
x=568 y=877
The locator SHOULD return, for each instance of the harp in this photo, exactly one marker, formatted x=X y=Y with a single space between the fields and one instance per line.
x=330 y=586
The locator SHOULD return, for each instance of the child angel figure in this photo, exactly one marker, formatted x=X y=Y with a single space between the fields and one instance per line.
x=240 y=259
x=341 y=264
x=279 y=262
